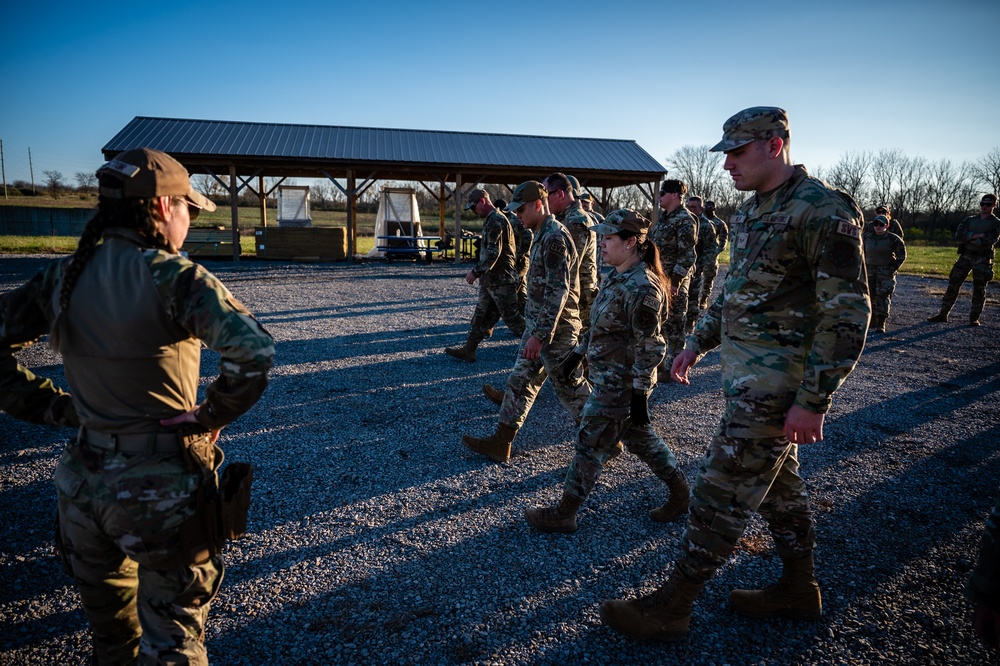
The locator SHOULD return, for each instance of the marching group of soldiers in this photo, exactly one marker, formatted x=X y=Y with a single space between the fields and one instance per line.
x=139 y=497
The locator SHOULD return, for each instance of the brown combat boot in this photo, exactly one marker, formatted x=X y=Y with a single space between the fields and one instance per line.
x=795 y=596
x=496 y=446
x=878 y=324
x=664 y=615
x=466 y=352
x=558 y=518
x=495 y=395
x=678 y=504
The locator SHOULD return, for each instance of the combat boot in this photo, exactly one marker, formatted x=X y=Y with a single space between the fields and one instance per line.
x=939 y=318
x=663 y=615
x=878 y=324
x=466 y=352
x=496 y=446
x=495 y=395
x=558 y=518
x=795 y=596
x=678 y=504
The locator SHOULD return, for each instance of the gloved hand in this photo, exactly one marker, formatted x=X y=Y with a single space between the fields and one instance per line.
x=639 y=409
x=570 y=365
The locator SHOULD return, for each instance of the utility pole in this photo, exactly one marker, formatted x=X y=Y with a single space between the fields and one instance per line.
x=31 y=168
x=3 y=171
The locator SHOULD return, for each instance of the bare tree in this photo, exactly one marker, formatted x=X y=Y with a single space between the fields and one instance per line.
x=209 y=186
x=949 y=189
x=54 y=181
x=986 y=170
x=85 y=180
x=700 y=169
x=850 y=173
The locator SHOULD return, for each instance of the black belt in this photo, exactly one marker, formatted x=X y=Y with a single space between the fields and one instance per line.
x=148 y=442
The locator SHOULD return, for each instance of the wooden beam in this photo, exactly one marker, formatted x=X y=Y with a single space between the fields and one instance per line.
x=235 y=208
x=458 y=218
x=352 y=216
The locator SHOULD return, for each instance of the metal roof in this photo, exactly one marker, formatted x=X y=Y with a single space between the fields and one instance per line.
x=304 y=150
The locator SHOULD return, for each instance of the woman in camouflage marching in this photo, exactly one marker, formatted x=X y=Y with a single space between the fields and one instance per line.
x=623 y=348
x=129 y=315
x=885 y=252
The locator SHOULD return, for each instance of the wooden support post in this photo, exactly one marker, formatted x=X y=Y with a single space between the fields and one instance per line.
x=458 y=218
x=235 y=208
x=352 y=217
x=263 y=201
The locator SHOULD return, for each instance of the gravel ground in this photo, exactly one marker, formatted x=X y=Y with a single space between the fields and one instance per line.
x=376 y=538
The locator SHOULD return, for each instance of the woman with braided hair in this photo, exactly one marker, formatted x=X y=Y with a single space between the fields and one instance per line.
x=129 y=314
x=623 y=347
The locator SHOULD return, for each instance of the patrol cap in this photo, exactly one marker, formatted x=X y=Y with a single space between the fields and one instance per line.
x=526 y=192
x=145 y=173
x=474 y=197
x=757 y=122
x=575 y=184
x=623 y=219
x=880 y=221
x=586 y=196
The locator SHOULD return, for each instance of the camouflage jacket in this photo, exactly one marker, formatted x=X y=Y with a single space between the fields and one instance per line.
x=885 y=250
x=721 y=234
x=706 y=248
x=496 y=254
x=624 y=344
x=975 y=225
x=553 y=290
x=522 y=244
x=794 y=309
x=676 y=236
x=134 y=358
x=578 y=222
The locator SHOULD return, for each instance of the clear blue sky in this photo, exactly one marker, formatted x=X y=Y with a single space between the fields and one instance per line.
x=920 y=76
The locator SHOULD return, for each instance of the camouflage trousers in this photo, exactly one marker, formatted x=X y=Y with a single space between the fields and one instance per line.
x=600 y=431
x=528 y=376
x=740 y=475
x=881 y=285
x=496 y=301
x=673 y=324
x=982 y=272
x=587 y=296
x=705 y=285
x=119 y=520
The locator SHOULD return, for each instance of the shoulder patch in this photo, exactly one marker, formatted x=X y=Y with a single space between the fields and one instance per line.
x=848 y=228
x=651 y=301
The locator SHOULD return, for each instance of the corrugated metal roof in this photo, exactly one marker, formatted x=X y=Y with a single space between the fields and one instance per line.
x=248 y=142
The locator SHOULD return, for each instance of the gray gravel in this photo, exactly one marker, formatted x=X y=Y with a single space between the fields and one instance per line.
x=377 y=539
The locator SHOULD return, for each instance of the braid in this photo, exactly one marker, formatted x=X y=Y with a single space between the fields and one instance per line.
x=136 y=214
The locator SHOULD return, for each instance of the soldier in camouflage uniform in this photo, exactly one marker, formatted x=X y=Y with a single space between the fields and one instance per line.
x=499 y=283
x=623 y=348
x=791 y=322
x=587 y=204
x=676 y=237
x=128 y=316
x=976 y=235
x=885 y=252
x=563 y=204
x=552 y=324
x=712 y=267
x=705 y=256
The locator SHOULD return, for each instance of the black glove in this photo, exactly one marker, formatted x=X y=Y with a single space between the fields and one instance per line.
x=639 y=409
x=570 y=365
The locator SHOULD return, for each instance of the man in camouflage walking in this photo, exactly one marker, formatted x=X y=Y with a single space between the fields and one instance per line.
x=676 y=235
x=712 y=266
x=791 y=323
x=566 y=208
x=704 y=256
x=499 y=282
x=976 y=235
x=552 y=325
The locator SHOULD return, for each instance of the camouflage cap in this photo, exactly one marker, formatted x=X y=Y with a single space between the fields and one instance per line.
x=575 y=184
x=758 y=122
x=880 y=221
x=474 y=197
x=586 y=196
x=526 y=192
x=145 y=173
x=623 y=219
